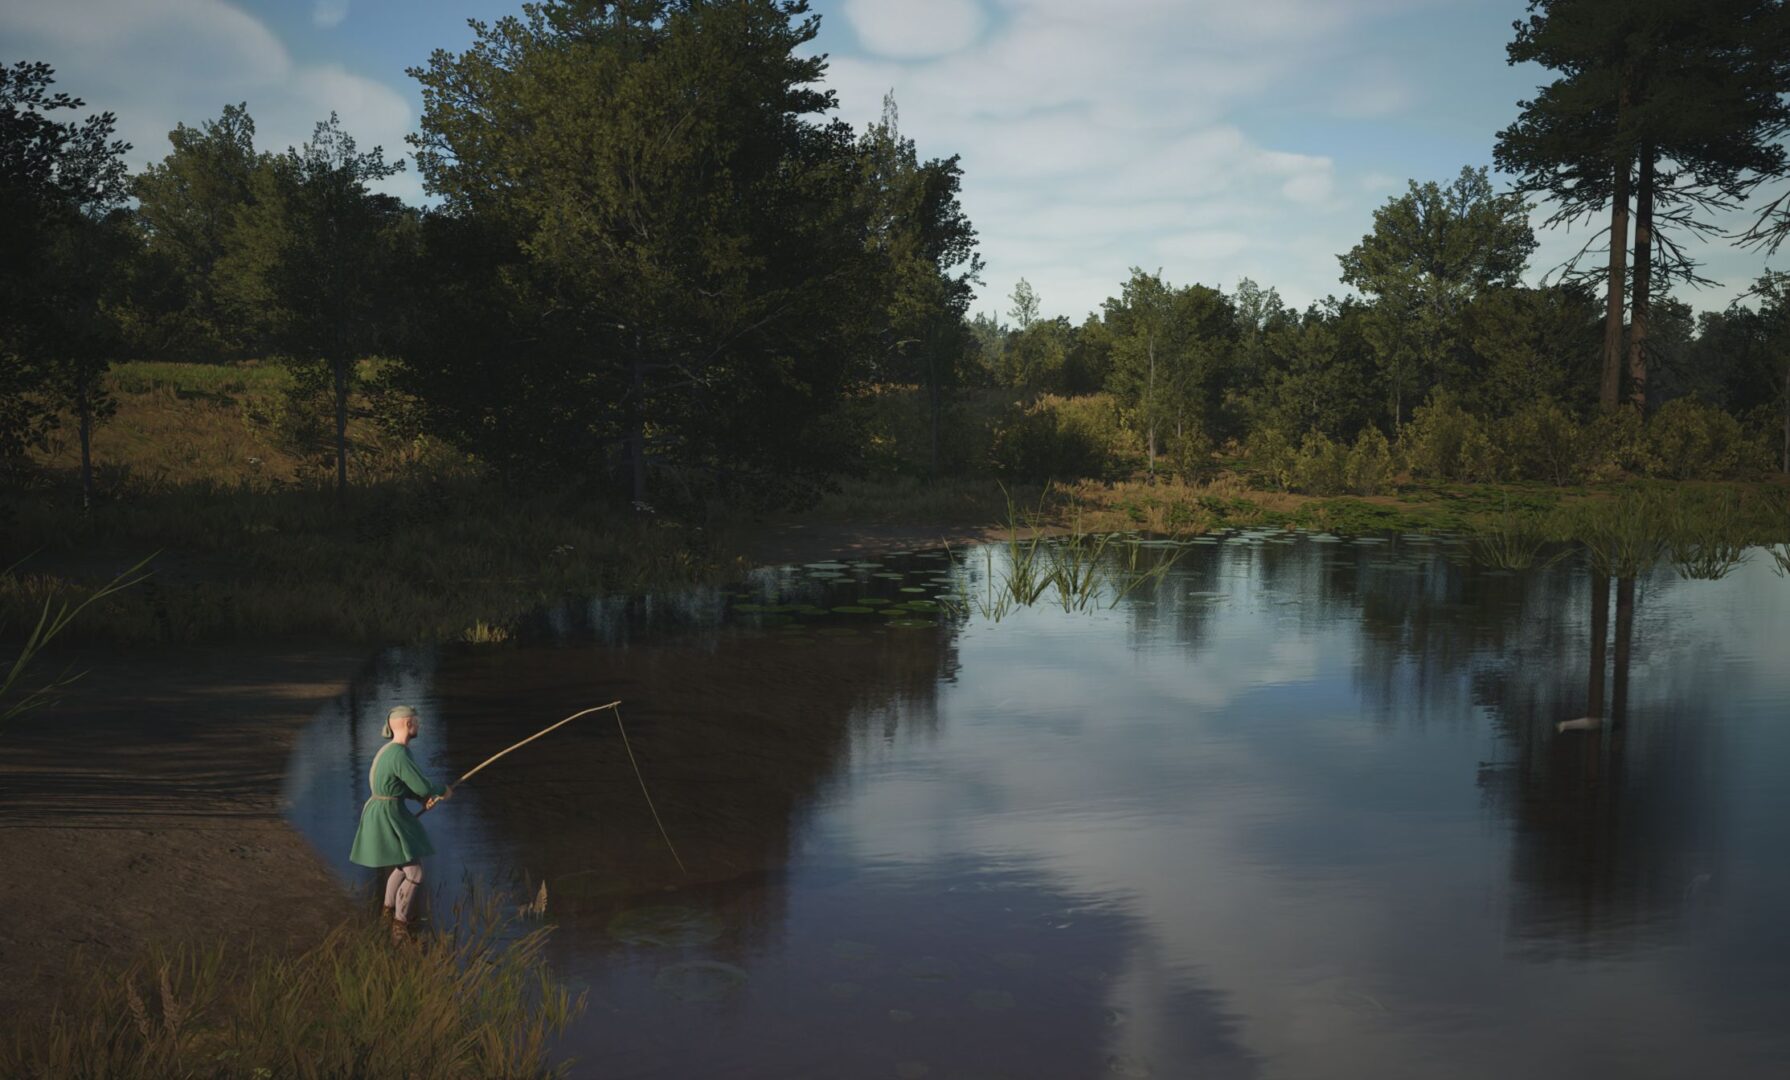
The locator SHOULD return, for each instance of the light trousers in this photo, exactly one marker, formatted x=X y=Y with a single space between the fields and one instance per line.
x=401 y=888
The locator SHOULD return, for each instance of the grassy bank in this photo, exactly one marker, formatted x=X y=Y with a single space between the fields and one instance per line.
x=222 y=473
x=478 y=1001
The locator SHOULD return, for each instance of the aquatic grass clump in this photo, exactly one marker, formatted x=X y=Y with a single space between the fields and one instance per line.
x=1706 y=536
x=484 y=633
x=473 y=1001
x=1623 y=537
x=1512 y=540
x=1076 y=567
x=1780 y=559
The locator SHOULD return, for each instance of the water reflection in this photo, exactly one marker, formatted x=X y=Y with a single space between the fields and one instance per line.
x=1297 y=808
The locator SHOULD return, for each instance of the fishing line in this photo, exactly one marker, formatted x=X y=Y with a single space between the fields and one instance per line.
x=616 y=706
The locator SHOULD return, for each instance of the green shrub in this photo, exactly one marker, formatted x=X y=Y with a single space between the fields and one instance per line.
x=1614 y=443
x=1190 y=456
x=1444 y=441
x=1269 y=457
x=1541 y=441
x=1321 y=467
x=1370 y=465
x=1064 y=438
x=1688 y=440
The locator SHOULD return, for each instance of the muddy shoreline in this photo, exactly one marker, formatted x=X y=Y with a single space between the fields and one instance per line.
x=144 y=808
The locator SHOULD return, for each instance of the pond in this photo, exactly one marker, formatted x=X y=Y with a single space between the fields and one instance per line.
x=1290 y=806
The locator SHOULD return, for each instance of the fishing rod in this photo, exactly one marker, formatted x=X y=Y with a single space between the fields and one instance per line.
x=615 y=706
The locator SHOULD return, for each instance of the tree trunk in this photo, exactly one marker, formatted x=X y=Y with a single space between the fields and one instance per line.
x=1787 y=418
x=86 y=410
x=1600 y=635
x=1150 y=407
x=1609 y=392
x=1642 y=305
x=1625 y=634
x=340 y=370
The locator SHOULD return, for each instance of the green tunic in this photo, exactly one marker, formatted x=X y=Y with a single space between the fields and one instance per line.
x=389 y=834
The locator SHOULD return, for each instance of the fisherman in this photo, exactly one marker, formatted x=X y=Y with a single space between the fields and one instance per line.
x=389 y=834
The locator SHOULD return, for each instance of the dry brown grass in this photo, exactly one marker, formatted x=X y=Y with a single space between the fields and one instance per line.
x=474 y=1001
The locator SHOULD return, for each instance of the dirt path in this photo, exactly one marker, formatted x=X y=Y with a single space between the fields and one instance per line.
x=146 y=805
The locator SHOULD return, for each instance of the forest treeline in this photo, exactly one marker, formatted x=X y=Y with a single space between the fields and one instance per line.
x=653 y=263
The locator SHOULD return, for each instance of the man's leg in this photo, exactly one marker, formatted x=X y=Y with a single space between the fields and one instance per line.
x=409 y=877
x=392 y=881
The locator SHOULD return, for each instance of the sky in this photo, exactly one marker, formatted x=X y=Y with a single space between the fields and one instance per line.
x=1209 y=139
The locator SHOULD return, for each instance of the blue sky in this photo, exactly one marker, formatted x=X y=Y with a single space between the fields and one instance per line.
x=1213 y=139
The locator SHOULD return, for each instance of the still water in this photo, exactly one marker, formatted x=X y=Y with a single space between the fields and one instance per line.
x=1297 y=807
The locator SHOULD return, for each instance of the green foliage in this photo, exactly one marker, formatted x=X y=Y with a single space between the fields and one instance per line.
x=1444 y=441
x=1270 y=458
x=188 y=204
x=1431 y=252
x=474 y=1001
x=64 y=246
x=1321 y=466
x=1690 y=440
x=1370 y=465
x=1064 y=438
x=656 y=242
x=1541 y=441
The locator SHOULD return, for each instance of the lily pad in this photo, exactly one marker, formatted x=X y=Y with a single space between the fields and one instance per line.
x=873 y=601
x=853 y=609
x=699 y=980
x=912 y=589
x=668 y=927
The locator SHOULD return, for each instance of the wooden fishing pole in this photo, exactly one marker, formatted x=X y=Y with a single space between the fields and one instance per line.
x=616 y=706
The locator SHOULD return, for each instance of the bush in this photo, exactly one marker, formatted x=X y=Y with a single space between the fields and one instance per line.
x=1321 y=467
x=1190 y=456
x=1370 y=464
x=1064 y=438
x=1614 y=443
x=1269 y=457
x=1541 y=441
x=1443 y=441
x=1688 y=440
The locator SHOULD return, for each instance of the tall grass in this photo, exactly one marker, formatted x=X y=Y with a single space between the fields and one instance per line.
x=1512 y=540
x=1076 y=568
x=53 y=620
x=476 y=1001
x=1705 y=536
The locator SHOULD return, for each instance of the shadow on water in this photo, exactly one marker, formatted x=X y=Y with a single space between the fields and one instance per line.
x=1232 y=822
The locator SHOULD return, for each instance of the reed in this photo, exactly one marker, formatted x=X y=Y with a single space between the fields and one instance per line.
x=1706 y=536
x=474 y=1001
x=53 y=620
x=1511 y=540
x=1075 y=567
x=1623 y=537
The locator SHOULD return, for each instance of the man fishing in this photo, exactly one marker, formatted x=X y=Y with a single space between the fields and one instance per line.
x=389 y=834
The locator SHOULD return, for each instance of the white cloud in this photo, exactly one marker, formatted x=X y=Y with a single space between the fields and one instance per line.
x=1096 y=137
x=329 y=13
x=915 y=28
x=157 y=63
